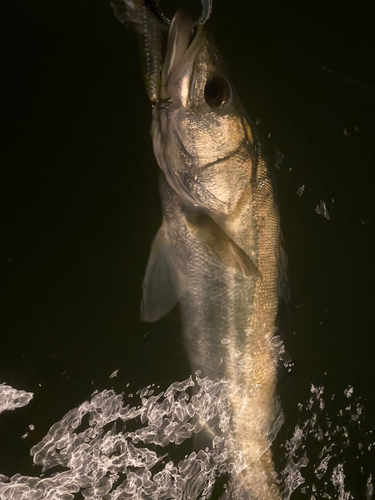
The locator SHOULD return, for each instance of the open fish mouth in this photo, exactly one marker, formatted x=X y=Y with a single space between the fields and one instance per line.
x=152 y=27
x=184 y=40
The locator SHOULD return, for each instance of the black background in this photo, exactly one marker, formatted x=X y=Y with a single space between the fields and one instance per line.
x=80 y=204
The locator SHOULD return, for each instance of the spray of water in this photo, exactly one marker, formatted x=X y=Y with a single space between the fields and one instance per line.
x=108 y=450
x=93 y=451
x=10 y=398
x=320 y=453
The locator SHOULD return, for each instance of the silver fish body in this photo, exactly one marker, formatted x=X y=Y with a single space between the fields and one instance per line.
x=217 y=252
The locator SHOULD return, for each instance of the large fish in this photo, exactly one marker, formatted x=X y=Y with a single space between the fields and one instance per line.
x=217 y=252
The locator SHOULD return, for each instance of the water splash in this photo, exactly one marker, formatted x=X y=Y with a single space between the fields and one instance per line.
x=108 y=450
x=329 y=445
x=11 y=398
x=321 y=209
x=102 y=458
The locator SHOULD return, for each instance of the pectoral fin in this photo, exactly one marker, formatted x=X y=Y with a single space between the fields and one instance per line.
x=218 y=242
x=160 y=285
x=242 y=260
x=201 y=196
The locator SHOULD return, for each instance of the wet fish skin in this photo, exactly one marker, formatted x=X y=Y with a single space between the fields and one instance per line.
x=219 y=304
x=217 y=252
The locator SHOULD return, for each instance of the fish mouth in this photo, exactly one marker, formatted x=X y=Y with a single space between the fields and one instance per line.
x=184 y=40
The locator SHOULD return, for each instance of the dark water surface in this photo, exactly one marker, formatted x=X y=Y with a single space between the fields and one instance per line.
x=80 y=205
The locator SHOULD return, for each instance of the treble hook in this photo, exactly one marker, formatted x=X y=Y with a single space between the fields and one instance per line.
x=206 y=12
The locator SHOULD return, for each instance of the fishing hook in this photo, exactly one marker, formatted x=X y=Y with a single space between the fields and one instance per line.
x=204 y=17
x=162 y=104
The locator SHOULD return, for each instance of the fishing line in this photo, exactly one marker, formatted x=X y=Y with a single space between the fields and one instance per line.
x=206 y=12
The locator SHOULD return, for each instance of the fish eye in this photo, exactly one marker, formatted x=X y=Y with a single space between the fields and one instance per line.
x=217 y=92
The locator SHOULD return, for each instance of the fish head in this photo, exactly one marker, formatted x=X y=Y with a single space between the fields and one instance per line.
x=198 y=119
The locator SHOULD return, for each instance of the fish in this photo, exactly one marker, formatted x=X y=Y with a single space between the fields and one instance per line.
x=218 y=252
